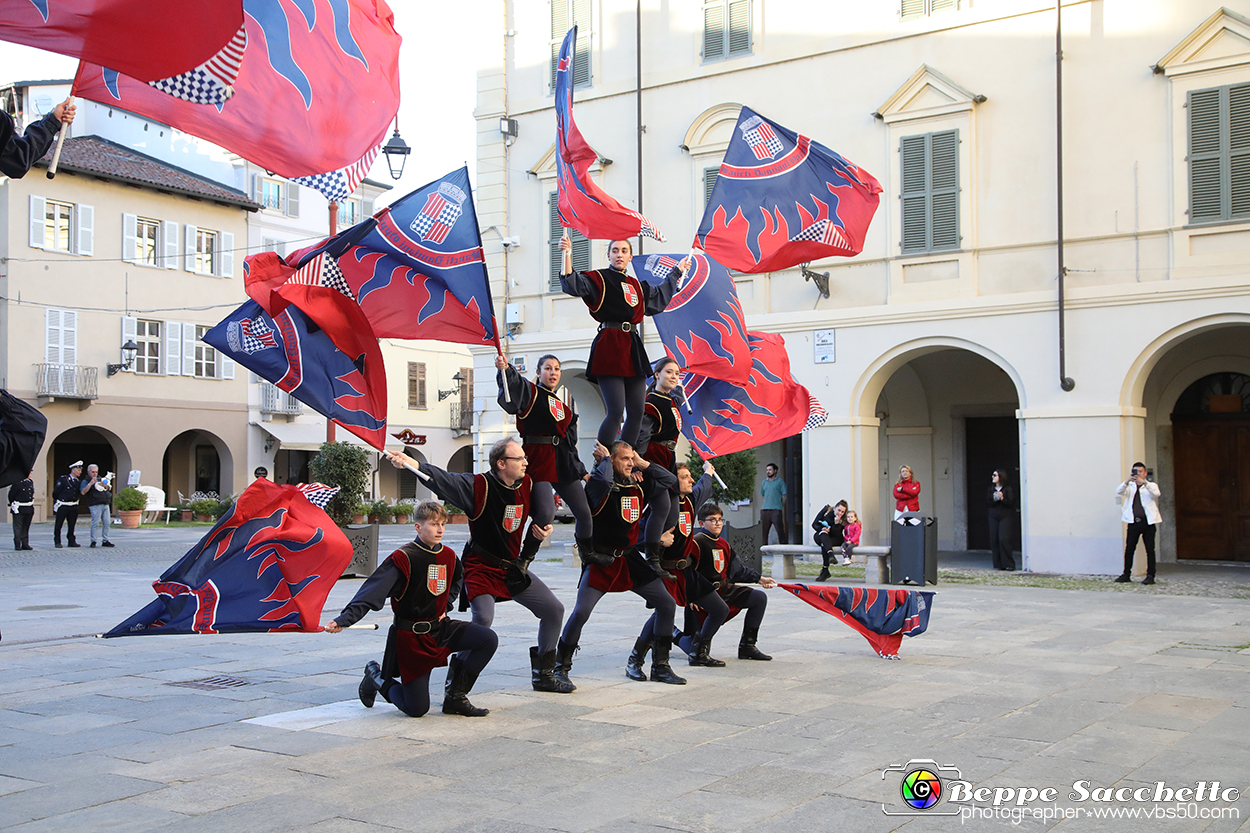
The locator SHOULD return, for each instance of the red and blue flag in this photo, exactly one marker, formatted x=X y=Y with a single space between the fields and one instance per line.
x=583 y=204
x=317 y=88
x=781 y=199
x=317 y=346
x=883 y=617
x=702 y=327
x=771 y=406
x=416 y=269
x=266 y=566
x=145 y=39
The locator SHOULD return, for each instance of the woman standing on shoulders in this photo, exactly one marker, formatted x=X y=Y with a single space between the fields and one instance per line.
x=1001 y=500
x=906 y=493
x=548 y=430
x=618 y=363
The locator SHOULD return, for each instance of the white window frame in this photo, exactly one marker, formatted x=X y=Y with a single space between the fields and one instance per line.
x=222 y=264
x=204 y=356
x=718 y=42
x=148 y=343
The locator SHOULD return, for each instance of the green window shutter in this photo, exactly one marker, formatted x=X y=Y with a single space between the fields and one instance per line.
x=713 y=30
x=911 y=8
x=1239 y=149
x=581 y=245
x=915 y=167
x=1205 y=158
x=739 y=27
x=581 y=63
x=559 y=27
x=709 y=182
x=942 y=5
x=944 y=185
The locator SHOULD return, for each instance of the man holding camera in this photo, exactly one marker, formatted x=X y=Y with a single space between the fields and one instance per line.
x=1140 y=510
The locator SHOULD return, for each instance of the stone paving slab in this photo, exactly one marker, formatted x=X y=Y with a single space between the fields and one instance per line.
x=1015 y=686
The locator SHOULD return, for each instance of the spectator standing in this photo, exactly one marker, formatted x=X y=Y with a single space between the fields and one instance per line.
x=66 y=494
x=1140 y=510
x=97 y=494
x=773 y=512
x=906 y=493
x=1001 y=500
x=22 y=505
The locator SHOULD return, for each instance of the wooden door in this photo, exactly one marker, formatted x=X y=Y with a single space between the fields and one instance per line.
x=1212 y=460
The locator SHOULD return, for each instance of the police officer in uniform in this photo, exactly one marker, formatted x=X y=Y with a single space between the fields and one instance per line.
x=66 y=494
x=499 y=552
x=617 y=502
x=22 y=505
x=422 y=580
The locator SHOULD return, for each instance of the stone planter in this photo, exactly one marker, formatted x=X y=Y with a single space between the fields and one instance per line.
x=458 y=519
x=399 y=519
x=358 y=519
x=203 y=518
x=130 y=518
x=187 y=515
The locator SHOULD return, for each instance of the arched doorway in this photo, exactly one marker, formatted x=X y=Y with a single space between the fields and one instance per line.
x=91 y=445
x=462 y=461
x=408 y=485
x=196 y=461
x=1211 y=468
x=1188 y=383
x=947 y=409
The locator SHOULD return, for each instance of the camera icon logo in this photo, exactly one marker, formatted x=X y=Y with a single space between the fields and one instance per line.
x=921 y=787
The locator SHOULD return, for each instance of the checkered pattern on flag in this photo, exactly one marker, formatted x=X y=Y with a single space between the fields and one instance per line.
x=760 y=136
x=257 y=335
x=341 y=184
x=212 y=82
x=318 y=494
x=770 y=406
x=436 y=218
x=322 y=270
x=824 y=232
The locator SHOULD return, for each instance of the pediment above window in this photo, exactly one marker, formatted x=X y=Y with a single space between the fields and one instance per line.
x=1223 y=40
x=926 y=94
x=711 y=130
x=545 y=167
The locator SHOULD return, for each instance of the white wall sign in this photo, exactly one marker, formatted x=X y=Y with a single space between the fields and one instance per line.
x=822 y=340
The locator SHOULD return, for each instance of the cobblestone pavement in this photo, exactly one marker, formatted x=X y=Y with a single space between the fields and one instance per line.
x=1017 y=687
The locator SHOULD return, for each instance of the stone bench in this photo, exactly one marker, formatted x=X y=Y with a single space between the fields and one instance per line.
x=876 y=570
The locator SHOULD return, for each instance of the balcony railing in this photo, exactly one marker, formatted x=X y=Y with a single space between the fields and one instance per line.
x=69 y=381
x=274 y=400
x=461 y=418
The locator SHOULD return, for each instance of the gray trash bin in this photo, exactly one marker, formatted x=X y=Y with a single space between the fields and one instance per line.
x=913 y=550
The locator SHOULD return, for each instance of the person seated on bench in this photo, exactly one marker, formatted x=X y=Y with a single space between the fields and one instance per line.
x=829 y=525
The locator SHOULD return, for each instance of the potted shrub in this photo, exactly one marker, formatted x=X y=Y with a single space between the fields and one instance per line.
x=348 y=467
x=379 y=512
x=362 y=514
x=400 y=513
x=223 y=506
x=456 y=514
x=130 y=503
x=203 y=508
x=187 y=514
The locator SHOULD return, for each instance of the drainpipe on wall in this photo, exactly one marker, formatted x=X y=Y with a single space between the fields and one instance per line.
x=1065 y=381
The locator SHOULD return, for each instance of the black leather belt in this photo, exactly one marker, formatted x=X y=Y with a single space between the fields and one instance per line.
x=544 y=440
x=490 y=559
x=613 y=553
x=679 y=564
x=419 y=626
x=623 y=326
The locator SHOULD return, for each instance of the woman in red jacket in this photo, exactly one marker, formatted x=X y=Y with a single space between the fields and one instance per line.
x=906 y=493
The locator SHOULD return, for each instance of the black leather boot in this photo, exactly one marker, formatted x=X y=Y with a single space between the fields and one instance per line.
x=543 y=676
x=824 y=573
x=661 y=671
x=371 y=684
x=456 y=691
x=700 y=653
x=564 y=663
x=633 y=666
x=653 y=561
x=586 y=552
x=747 y=649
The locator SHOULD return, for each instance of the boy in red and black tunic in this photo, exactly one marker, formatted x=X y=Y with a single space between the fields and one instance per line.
x=678 y=558
x=617 y=502
x=499 y=552
x=618 y=362
x=717 y=566
x=422 y=580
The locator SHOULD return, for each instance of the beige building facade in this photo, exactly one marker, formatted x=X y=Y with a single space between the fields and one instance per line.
x=118 y=248
x=938 y=346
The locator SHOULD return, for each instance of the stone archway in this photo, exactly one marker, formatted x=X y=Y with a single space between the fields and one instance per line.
x=90 y=444
x=197 y=460
x=946 y=407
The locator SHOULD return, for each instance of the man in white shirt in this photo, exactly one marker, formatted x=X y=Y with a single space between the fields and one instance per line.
x=1140 y=510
